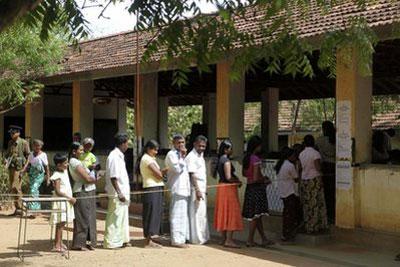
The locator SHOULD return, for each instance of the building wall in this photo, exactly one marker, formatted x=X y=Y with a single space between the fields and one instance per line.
x=378 y=197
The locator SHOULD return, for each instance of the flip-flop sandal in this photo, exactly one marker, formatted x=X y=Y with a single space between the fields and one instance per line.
x=251 y=245
x=59 y=250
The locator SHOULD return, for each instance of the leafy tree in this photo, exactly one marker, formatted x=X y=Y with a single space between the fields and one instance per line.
x=24 y=58
x=206 y=39
x=180 y=120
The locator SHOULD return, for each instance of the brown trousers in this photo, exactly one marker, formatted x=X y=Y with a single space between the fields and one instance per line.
x=15 y=187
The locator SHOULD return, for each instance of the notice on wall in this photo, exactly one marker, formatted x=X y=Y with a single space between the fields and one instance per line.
x=344 y=174
x=343 y=134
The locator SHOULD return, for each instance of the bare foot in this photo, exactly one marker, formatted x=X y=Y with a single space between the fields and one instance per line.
x=126 y=245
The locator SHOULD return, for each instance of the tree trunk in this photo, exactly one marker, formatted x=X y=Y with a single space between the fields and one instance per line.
x=13 y=10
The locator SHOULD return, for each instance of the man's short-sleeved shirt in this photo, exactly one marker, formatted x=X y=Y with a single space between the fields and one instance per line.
x=116 y=168
x=197 y=165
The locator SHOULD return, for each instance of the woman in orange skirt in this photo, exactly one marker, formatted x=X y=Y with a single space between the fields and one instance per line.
x=227 y=217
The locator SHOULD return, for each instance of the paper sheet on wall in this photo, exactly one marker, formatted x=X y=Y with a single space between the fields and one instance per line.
x=344 y=175
x=343 y=135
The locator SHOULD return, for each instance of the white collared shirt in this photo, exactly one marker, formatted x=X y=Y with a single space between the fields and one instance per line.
x=116 y=168
x=197 y=165
x=178 y=175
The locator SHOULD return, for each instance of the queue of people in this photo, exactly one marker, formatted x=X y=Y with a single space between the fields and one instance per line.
x=301 y=184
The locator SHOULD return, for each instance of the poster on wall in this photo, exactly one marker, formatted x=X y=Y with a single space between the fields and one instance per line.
x=344 y=174
x=343 y=134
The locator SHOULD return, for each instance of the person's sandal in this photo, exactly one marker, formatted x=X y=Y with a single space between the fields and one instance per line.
x=59 y=250
x=267 y=243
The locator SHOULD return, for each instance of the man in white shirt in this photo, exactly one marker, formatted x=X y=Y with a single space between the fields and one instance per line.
x=118 y=189
x=179 y=184
x=199 y=232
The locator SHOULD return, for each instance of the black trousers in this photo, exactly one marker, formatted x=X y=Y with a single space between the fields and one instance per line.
x=291 y=216
x=152 y=211
x=85 y=220
x=329 y=182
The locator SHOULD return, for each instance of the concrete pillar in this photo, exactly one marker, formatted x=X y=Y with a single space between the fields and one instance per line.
x=269 y=118
x=34 y=119
x=353 y=119
x=230 y=108
x=163 y=122
x=82 y=107
x=209 y=117
x=122 y=123
x=147 y=117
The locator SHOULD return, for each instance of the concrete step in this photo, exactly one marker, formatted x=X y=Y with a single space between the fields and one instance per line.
x=371 y=239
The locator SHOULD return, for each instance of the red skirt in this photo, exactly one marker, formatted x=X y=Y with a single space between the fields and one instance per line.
x=227 y=214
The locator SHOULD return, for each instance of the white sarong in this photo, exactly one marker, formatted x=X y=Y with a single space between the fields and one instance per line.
x=117 y=224
x=179 y=219
x=199 y=231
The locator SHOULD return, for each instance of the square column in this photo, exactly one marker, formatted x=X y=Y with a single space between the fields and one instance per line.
x=122 y=109
x=146 y=114
x=163 y=104
x=354 y=134
x=209 y=117
x=34 y=118
x=269 y=118
x=82 y=107
x=230 y=108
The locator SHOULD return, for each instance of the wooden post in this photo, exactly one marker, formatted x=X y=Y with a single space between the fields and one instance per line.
x=230 y=108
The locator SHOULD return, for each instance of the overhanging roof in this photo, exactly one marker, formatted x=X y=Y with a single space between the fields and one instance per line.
x=115 y=55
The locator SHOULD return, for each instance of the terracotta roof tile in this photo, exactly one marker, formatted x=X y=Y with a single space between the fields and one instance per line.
x=119 y=50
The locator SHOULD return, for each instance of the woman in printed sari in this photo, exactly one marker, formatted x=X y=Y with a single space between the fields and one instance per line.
x=37 y=166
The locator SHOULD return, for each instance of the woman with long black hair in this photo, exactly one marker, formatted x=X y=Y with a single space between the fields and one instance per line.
x=227 y=217
x=153 y=185
x=255 y=199
x=84 y=190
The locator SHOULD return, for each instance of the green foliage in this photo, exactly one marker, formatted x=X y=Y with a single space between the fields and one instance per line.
x=314 y=112
x=55 y=14
x=180 y=120
x=24 y=58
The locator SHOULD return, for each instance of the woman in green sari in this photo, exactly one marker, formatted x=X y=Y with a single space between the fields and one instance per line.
x=37 y=167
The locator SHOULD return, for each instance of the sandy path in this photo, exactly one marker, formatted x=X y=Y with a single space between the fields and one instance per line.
x=211 y=255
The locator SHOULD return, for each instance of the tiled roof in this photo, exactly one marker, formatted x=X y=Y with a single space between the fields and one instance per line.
x=387 y=120
x=286 y=114
x=252 y=117
x=119 y=50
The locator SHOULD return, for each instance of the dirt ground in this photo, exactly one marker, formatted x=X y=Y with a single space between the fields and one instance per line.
x=38 y=251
